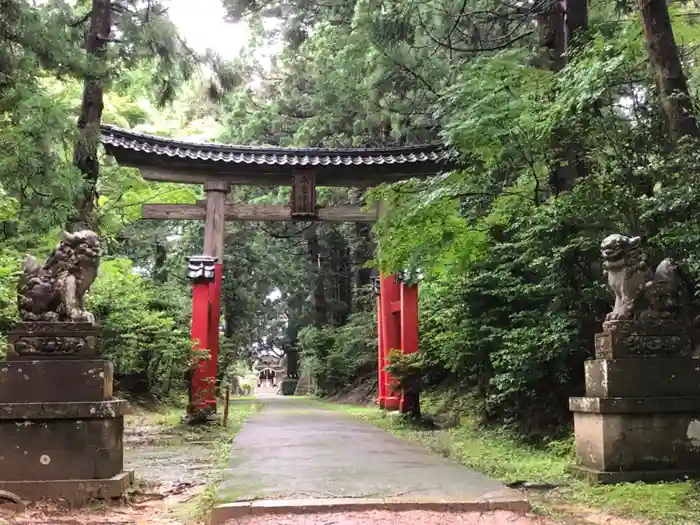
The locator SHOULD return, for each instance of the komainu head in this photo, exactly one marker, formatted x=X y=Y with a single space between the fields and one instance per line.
x=55 y=291
x=618 y=248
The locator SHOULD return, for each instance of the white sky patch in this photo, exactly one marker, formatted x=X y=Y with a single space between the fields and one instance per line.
x=140 y=271
x=203 y=25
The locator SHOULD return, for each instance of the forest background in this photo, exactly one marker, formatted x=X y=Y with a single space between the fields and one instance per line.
x=568 y=127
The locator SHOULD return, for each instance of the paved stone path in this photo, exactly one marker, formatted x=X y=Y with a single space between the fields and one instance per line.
x=294 y=449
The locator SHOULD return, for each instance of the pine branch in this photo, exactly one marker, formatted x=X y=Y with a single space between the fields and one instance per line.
x=80 y=21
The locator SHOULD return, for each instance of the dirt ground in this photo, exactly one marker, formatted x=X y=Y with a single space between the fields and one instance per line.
x=174 y=465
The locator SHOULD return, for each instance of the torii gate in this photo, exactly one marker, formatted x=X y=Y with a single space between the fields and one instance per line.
x=217 y=167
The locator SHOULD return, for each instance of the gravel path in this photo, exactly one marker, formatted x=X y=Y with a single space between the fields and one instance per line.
x=381 y=517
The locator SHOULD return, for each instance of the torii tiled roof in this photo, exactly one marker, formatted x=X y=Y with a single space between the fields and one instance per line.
x=141 y=150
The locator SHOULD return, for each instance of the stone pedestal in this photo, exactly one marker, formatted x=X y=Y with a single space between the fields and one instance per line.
x=640 y=418
x=60 y=426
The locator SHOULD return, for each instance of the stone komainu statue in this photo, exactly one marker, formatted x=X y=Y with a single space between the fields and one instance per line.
x=54 y=292
x=641 y=292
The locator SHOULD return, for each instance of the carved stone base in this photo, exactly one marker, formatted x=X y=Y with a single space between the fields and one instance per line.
x=46 y=340
x=72 y=491
x=616 y=435
x=60 y=430
x=642 y=339
x=47 y=381
x=642 y=378
x=59 y=441
x=639 y=420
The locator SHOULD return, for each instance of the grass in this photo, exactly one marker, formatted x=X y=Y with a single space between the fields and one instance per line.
x=503 y=457
x=199 y=507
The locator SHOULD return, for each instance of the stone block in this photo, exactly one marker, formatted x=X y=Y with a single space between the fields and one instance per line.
x=82 y=410
x=73 y=491
x=54 y=340
x=47 y=381
x=634 y=435
x=288 y=387
x=65 y=448
x=643 y=378
x=649 y=339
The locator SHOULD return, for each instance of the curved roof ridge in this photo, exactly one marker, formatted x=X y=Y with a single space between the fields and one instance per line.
x=120 y=137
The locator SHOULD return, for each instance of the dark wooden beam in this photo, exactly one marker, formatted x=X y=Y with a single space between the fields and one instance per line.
x=303 y=194
x=255 y=212
x=215 y=223
x=346 y=213
x=340 y=176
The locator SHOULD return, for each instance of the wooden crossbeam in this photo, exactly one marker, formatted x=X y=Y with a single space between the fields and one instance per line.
x=256 y=212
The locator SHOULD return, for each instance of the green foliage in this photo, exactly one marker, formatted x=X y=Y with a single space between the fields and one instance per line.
x=35 y=128
x=43 y=66
x=8 y=294
x=511 y=289
x=513 y=292
x=144 y=332
x=337 y=356
x=406 y=369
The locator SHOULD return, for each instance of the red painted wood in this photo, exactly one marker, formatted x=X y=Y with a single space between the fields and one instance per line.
x=390 y=293
x=381 y=389
x=213 y=335
x=396 y=306
x=200 y=342
x=409 y=318
x=409 y=326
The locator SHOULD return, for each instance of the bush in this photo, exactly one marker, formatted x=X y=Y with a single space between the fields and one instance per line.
x=515 y=326
x=144 y=334
x=335 y=357
x=9 y=274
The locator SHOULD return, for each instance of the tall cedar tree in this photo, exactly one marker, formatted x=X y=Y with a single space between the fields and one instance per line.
x=676 y=103
x=85 y=157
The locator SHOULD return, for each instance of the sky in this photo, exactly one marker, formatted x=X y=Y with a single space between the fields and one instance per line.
x=202 y=24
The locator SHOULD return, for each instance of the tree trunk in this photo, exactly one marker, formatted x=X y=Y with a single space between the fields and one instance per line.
x=85 y=155
x=558 y=26
x=676 y=103
x=292 y=364
x=576 y=18
x=553 y=37
x=364 y=249
x=339 y=279
x=319 y=296
x=291 y=348
x=160 y=272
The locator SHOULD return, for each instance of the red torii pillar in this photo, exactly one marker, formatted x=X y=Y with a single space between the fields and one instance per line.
x=201 y=269
x=409 y=335
x=397 y=327
x=206 y=272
